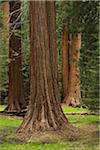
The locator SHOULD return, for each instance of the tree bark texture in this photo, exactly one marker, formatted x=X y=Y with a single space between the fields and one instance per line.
x=16 y=100
x=65 y=64
x=73 y=98
x=44 y=112
x=51 y=25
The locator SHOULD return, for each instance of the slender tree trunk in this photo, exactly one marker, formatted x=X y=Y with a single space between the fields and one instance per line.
x=44 y=112
x=73 y=98
x=65 y=64
x=16 y=100
x=4 y=42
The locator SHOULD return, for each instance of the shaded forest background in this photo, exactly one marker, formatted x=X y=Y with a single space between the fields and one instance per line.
x=87 y=23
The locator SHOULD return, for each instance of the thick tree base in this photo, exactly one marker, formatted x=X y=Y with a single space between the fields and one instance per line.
x=14 y=109
x=68 y=133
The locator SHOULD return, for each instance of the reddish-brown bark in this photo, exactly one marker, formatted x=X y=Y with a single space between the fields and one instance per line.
x=44 y=112
x=16 y=100
x=65 y=64
x=73 y=97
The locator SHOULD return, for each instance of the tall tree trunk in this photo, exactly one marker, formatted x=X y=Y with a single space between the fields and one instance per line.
x=51 y=25
x=16 y=100
x=65 y=64
x=73 y=98
x=4 y=42
x=44 y=112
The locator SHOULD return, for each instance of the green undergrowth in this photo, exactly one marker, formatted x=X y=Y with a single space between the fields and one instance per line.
x=83 y=119
x=9 y=125
x=8 y=121
x=2 y=107
x=57 y=146
x=74 y=110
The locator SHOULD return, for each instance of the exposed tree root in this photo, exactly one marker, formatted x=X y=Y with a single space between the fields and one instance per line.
x=51 y=136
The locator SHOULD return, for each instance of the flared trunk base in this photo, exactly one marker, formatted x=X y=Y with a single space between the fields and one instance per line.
x=71 y=101
x=14 y=108
x=50 y=136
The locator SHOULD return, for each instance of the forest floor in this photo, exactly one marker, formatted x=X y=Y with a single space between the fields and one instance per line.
x=88 y=123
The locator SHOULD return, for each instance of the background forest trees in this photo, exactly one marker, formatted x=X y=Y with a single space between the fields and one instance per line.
x=87 y=23
x=89 y=60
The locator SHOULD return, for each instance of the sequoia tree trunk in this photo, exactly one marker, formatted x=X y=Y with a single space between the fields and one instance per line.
x=44 y=112
x=16 y=100
x=65 y=64
x=73 y=98
x=51 y=25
